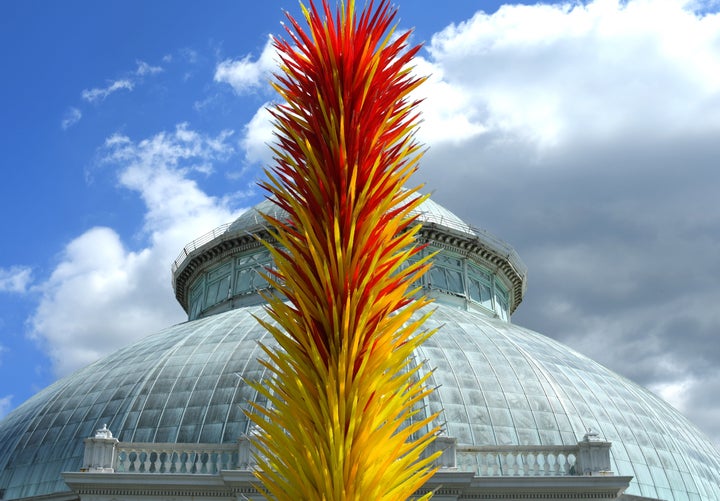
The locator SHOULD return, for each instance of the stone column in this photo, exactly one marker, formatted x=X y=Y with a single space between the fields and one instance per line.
x=100 y=452
x=245 y=454
x=594 y=455
x=447 y=445
x=247 y=450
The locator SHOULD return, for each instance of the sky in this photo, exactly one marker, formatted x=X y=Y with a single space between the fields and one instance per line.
x=583 y=134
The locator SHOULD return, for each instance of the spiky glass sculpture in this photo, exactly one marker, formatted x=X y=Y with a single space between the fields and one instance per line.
x=342 y=421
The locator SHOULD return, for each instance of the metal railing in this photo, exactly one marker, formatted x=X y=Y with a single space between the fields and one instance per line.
x=492 y=242
x=197 y=243
x=495 y=244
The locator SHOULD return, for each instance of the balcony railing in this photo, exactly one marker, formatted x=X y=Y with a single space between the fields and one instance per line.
x=197 y=243
x=494 y=243
x=105 y=454
x=175 y=458
x=513 y=461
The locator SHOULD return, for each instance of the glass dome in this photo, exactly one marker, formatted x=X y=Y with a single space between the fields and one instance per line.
x=497 y=383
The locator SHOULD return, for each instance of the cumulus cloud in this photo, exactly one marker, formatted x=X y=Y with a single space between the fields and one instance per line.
x=257 y=135
x=246 y=75
x=613 y=67
x=99 y=277
x=15 y=279
x=449 y=114
x=586 y=136
x=72 y=116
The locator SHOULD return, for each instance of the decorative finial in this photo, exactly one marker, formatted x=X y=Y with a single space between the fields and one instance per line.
x=591 y=436
x=103 y=432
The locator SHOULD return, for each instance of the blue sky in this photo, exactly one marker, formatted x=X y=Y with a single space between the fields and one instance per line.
x=585 y=135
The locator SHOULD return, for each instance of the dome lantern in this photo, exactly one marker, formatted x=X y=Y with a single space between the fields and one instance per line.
x=473 y=269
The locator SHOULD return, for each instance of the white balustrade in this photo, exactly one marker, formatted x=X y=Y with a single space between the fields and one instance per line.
x=591 y=456
x=514 y=460
x=175 y=458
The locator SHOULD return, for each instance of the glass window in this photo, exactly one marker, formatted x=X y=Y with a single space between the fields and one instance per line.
x=446 y=274
x=455 y=281
x=247 y=272
x=196 y=295
x=438 y=279
x=501 y=299
x=479 y=272
x=243 y=281
x=479 y=285
x=217 y=291
x=480 y=292
x=219 y=272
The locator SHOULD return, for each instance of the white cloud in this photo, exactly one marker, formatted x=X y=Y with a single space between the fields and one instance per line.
x=448 y=111
x=675 y=392
x=586 y=136
x=100 y=94
x=245 y=75
x=15 y=279
x=100 y=278
x=72 y=116
x=554 y=73
x=258 y=134
x=5 y=405
x=145 y=69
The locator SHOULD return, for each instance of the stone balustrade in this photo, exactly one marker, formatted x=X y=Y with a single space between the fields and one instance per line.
x=175 y=458
x=590 y=456
x=504 y=461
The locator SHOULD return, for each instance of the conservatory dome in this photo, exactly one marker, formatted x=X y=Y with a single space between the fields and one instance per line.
x=497 y=383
